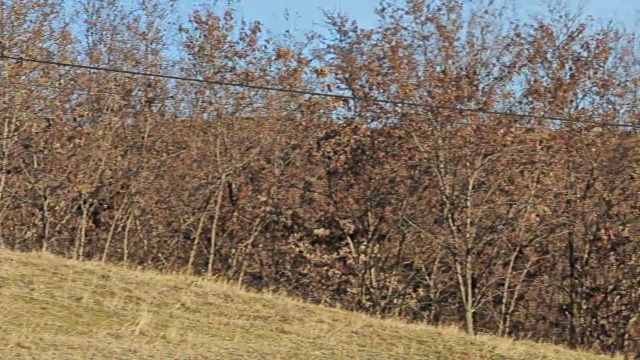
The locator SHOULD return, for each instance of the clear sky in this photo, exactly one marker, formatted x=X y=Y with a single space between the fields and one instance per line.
x=306 y=13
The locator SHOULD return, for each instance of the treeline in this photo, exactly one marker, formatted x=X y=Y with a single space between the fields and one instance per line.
x=517 y=226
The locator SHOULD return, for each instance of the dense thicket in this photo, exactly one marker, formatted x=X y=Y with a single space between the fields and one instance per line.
x=517 y=226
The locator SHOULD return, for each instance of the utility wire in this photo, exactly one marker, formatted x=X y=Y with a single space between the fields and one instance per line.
x=312 y=93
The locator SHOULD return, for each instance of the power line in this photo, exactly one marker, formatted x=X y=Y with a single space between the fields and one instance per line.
x=312 y=93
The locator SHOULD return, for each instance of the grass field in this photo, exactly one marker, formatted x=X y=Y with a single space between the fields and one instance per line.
x=58 y=309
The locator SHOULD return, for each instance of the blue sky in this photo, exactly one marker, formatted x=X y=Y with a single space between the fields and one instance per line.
x=306 y=13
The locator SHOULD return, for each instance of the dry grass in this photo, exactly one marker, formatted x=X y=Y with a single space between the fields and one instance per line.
x=57 y=309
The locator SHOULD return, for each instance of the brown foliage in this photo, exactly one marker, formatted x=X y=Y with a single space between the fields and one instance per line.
x=512 y=225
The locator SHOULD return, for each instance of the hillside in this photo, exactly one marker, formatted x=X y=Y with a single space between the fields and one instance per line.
x=455 y=163
x=52 y=308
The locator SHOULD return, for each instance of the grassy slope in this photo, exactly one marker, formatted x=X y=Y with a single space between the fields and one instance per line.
x=57 y=309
